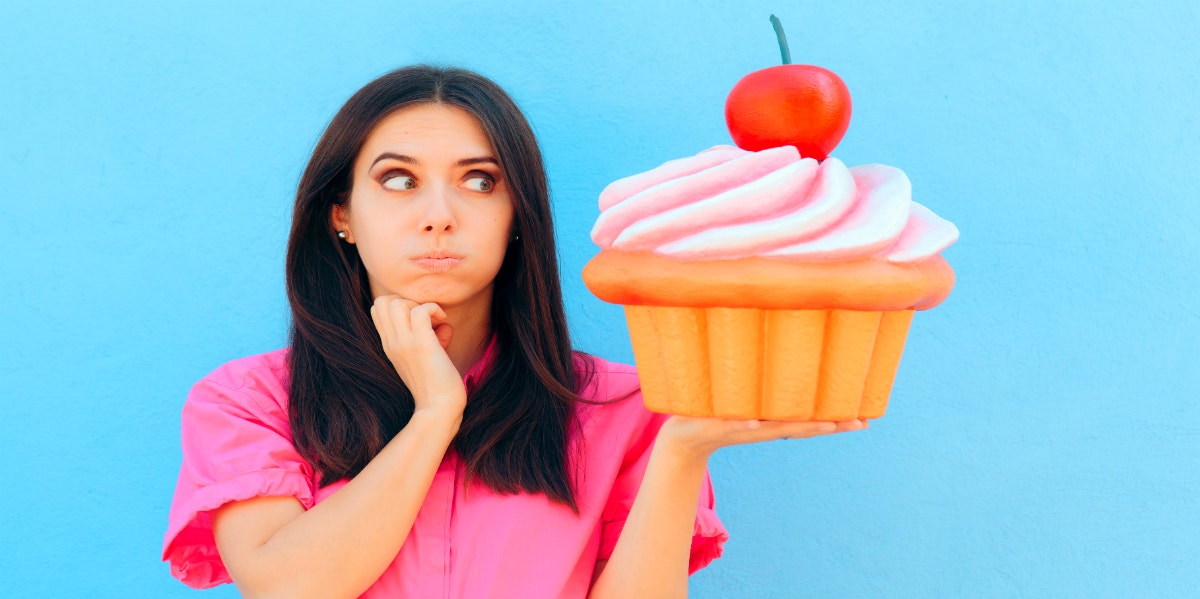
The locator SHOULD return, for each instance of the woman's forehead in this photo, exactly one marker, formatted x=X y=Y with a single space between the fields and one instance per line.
x=433 y=129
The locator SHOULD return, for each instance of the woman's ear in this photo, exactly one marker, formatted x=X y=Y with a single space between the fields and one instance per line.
x=339 y=219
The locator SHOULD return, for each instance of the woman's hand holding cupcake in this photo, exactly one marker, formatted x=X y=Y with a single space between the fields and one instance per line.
x=698 y=438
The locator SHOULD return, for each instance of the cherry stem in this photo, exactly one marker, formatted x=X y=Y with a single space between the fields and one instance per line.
x=783 y=45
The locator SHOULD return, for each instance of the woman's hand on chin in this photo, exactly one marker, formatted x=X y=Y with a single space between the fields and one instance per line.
x=415 y=337
x=700 y=437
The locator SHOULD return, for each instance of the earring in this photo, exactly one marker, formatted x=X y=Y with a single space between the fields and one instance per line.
x=514 y=238
x=341 y=234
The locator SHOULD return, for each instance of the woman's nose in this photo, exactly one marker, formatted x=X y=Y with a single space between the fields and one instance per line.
x=439 y=215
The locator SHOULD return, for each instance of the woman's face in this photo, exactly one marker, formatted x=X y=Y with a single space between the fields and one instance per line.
x=429 y=210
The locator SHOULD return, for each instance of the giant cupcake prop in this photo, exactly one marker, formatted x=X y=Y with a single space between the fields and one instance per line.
x=770 y=281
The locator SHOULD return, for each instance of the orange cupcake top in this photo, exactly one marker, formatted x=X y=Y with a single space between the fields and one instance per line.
x=648 y=279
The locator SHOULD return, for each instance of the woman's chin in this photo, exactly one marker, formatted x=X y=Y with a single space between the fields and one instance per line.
x=445 y=296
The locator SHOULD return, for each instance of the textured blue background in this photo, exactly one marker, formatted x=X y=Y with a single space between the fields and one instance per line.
x=1044 y=434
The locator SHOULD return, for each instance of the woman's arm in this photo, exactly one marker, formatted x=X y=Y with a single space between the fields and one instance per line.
x=272 y=547
x=651 y=555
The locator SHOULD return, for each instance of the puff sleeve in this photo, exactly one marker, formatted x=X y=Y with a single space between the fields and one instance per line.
x=708 y=534
x=236 y=445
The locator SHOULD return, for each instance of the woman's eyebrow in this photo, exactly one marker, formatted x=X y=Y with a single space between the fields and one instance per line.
x=410 y=160
x=480 y=160
x=399 y=157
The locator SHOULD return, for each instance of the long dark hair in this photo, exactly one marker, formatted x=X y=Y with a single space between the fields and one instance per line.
x=346 y=399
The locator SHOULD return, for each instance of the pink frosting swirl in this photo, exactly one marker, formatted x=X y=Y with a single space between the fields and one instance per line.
x=727 y=203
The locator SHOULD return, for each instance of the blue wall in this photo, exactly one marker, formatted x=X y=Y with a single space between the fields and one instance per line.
x=1044 y=434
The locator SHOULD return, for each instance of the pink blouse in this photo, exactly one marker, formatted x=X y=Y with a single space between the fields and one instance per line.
x=465 y=542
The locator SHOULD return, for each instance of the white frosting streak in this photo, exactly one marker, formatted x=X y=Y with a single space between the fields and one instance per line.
x=926 y=234
x=879 y=215
x=622 y=189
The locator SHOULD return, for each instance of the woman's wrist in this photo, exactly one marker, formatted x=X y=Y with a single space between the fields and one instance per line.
x=682 y=452
x=436 y=420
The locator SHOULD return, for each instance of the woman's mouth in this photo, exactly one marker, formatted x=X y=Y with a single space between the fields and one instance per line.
x=437 y=262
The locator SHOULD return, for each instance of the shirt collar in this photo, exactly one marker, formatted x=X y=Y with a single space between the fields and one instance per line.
x=481 y=368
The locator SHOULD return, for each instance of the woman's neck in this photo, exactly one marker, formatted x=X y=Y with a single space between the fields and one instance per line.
x=472 y=327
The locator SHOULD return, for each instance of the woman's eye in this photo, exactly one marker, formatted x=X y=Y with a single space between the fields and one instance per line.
x=399 y=182
x=480 y=183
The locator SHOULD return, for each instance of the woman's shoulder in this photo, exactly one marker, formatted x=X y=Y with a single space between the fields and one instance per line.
x=259 y=382
x=608 y=381
x=615 y=397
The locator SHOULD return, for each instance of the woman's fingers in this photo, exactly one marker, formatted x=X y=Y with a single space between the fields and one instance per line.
x=383 y=315
x=431 y=317
x=400 y=310
x=436 y=314
x=394 y=313
x=375 y=317
x=708 y=434
x=795 y=430
x=425 y=317
x=801 y=430
x=402 y=322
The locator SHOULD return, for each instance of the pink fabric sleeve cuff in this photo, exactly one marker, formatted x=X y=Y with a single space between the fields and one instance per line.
x=190 y=547
x=708 y=539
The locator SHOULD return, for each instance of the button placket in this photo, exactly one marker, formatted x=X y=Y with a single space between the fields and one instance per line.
x=452 y=470
x=434 y=558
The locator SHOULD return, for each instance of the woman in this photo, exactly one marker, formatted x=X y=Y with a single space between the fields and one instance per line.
x=429 y=431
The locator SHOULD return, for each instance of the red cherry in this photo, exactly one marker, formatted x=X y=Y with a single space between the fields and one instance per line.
x=789 y=105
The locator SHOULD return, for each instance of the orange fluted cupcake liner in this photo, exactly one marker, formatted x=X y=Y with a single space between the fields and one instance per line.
x=767 y=364
x=767 y=338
